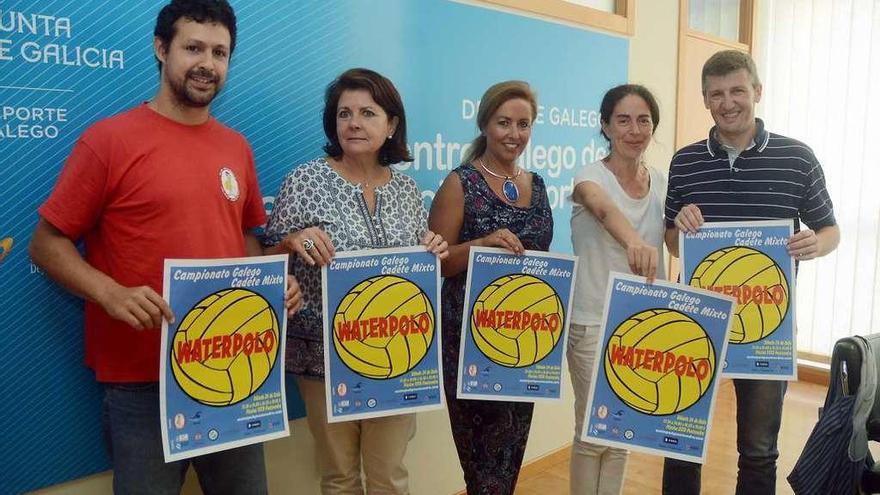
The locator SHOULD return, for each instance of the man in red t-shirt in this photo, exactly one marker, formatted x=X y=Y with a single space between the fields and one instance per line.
x=162 y=180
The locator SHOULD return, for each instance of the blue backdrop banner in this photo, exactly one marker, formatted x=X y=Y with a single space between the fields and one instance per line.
x=64 y=65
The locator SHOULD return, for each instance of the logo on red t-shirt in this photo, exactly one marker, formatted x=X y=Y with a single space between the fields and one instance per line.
x=229 y=184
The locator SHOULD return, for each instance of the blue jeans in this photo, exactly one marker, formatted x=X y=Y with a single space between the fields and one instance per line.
x=758 y=417
x=133 y=436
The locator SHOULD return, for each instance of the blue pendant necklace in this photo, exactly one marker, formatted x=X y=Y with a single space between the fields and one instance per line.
x=508 y=188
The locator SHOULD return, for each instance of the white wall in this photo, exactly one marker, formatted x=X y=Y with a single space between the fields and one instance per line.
x=653 y=62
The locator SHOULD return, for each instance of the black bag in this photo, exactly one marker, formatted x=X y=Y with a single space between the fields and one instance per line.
x=824 y=465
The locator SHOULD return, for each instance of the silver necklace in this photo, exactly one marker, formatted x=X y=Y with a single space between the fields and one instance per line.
x=365 y=183
x=508 y=188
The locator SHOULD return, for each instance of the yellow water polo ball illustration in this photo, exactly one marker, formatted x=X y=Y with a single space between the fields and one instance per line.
x=225 y=347
x=383 y=327
x=757 y=283
x=516 y=320
x=659 y=362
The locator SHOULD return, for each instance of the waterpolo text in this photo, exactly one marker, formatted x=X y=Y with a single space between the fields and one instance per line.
x=659 y=361
x=518 y=320
x=758 y=294
x=382 y=327
x=225 y=346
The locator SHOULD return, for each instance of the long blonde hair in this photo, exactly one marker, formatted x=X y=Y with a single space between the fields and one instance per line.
x=492 y=99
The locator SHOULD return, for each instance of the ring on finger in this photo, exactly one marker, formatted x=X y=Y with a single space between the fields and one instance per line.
x=308 y=244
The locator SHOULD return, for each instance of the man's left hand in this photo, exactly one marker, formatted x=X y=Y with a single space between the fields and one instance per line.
x=804 y=245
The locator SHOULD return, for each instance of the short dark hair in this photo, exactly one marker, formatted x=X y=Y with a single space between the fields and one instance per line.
x=200 y=11
x=726 y=61
x=614 y=95
x=384 y=93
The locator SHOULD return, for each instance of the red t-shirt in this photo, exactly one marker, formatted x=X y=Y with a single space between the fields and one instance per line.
x=139 y=188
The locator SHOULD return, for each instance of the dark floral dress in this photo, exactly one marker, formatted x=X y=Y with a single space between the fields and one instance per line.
x=490 y=436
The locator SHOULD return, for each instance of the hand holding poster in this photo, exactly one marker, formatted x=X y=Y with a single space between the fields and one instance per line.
x=750 y=262
x=381 y=333
x=514 y=325
x=657 y=367
x=222 y=373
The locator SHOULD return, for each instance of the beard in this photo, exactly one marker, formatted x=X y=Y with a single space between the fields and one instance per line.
x=191 y=97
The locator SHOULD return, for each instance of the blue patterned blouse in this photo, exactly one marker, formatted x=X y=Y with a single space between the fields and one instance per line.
x=315 y=195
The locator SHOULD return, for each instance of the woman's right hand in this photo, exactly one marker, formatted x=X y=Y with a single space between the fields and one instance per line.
x=312 y=244
x=643 y=260
x=503 y=238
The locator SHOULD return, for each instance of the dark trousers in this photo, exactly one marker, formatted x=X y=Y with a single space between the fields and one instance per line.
x=134 y=441
x=758 y=417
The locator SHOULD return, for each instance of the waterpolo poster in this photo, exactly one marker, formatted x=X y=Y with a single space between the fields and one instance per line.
x=749 y=261
x=382 y=333
x=657 y=373
x=222 y=360
x=514 y=325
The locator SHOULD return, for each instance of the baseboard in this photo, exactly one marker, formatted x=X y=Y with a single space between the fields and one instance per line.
x=811 y=372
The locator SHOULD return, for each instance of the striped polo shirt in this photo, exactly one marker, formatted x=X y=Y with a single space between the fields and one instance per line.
x=777 y=178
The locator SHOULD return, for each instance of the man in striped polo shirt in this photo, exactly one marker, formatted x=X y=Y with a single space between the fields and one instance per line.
x=742 y=172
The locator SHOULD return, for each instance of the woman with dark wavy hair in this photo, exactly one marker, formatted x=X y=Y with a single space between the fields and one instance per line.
x=349 y=199
x=616 y=225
